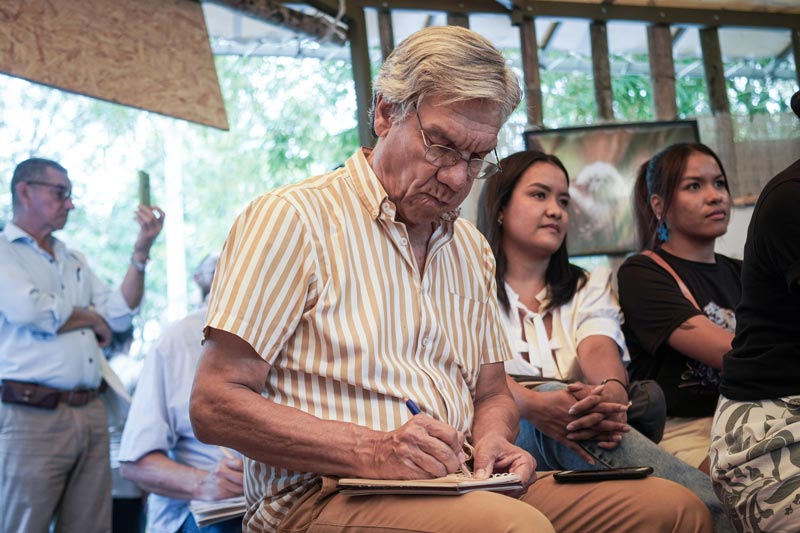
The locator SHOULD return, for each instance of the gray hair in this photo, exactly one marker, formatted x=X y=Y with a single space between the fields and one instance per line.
x=31 y=169
x=204 y=273
x=449 y=63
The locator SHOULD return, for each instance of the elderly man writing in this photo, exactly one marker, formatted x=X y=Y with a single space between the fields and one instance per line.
x=338 y=297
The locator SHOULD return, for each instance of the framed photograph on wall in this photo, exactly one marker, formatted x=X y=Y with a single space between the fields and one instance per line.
x=602 y=162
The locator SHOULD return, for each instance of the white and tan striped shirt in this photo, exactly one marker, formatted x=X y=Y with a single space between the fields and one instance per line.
x=321 y=280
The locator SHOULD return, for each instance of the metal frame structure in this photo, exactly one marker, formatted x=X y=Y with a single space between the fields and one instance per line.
x=522 y=13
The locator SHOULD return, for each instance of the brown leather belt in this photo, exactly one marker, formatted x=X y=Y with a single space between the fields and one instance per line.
x=44 y=397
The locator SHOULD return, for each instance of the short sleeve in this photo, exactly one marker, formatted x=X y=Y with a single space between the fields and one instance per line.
x=598 y=310
x=779 y=241
x=264 y=278
x=652 y=304
x=147 y=428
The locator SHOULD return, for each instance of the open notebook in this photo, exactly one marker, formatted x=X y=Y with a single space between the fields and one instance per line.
x=206 y=513
x=453 y=484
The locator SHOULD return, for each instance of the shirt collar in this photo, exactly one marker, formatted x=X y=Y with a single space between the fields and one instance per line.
x=371 y=193
x=513 y=299
x=14 y=233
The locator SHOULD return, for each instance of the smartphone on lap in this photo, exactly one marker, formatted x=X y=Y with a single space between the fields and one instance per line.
x=584 y=476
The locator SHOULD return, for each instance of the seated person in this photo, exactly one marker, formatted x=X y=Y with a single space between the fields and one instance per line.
x=339 y=296
x=564 y=325
x=756 y=428
x=159 y=451
x=682 y=205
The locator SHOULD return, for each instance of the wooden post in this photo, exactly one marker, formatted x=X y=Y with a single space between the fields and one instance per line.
x=530 y=68
x=796 y=52
x=720 y=106
x=715 y=70
x=458 y=19
x=386 y=32
x=601 y=68
x=662 y=71
x=359 y=55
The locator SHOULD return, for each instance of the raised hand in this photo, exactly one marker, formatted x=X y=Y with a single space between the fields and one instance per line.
x=151 y=222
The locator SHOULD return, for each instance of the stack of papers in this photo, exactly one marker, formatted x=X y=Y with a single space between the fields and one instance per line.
x=453 y=484
x=206 y=513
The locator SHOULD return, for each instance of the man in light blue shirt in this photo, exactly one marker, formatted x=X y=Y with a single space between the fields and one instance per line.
x=55 y=315
x=159 y=451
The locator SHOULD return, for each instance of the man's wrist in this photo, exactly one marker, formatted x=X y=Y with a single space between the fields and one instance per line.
x=139 y=265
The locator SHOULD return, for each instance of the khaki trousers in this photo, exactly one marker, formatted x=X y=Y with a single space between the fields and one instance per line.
x=687 y=439
x=652 y=505
x=54 y=463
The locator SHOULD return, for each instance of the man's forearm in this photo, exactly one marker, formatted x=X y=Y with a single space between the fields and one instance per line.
x=279 y=435
x=497 y=415
x=80 y=319
x=157 y=473
x=132 y=287
x=227 y=409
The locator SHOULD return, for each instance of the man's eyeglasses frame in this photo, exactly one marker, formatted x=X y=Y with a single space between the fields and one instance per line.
x=477 y=168
x=63 y=193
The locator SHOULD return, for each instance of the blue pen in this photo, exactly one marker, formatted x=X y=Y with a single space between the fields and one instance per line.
x=414 y=408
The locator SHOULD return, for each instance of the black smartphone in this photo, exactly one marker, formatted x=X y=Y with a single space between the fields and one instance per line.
x=582 y=476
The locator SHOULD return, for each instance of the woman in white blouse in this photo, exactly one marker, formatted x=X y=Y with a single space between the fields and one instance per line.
x=564 y=327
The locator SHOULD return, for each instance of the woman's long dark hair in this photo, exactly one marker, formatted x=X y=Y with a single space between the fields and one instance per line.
x=562 y=278
x=661 y=175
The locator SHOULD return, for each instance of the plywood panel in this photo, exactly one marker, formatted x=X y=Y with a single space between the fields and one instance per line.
x=148 y=54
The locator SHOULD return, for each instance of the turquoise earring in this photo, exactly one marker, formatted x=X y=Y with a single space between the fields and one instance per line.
x=662 y=231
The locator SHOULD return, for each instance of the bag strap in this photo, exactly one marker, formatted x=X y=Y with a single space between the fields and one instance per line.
x=657 y=259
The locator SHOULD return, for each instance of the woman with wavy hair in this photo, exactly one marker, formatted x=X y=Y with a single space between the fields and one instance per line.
x=563 y=324
x=679 y=296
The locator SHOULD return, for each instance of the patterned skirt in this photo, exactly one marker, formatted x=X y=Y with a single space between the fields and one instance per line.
x=755 y=463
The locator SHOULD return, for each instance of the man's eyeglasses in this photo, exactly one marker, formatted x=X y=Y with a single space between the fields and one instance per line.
x=63 y=193
x=443 y=156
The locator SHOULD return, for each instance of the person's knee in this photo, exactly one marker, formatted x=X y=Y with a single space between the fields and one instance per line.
x=672 y=508
x=502 y=514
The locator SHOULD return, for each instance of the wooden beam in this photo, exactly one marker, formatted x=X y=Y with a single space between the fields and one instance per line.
x=548 y=36
x=359 y=54
x=715 y=71
x=386 y=32
x=329 y=7
x=601 y=69
x=780 y=56
x=662 y=71
x=530 y=69
x=276 y=13
x=655 y=15
x=453 y=6
x=796 y=52
x=720 y=106
x=458 y=19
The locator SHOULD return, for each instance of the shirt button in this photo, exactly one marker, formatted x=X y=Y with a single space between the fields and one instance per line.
x=426 y=341
x=404 y=241
x=91 y=360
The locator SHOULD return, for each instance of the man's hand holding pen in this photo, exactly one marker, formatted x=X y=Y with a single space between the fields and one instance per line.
x=422 y=448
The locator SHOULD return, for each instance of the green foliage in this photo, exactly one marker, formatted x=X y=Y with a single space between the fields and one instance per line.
x=289 y=119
